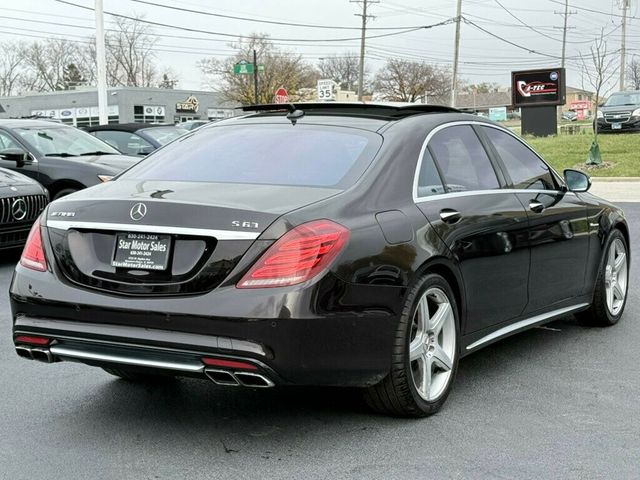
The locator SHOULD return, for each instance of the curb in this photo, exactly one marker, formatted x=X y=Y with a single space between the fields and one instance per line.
x=615 y=179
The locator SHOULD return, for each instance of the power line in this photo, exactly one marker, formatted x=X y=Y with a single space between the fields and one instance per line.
x=271 y=22
x=521 y=47
x=306 y=40
x=593 y=11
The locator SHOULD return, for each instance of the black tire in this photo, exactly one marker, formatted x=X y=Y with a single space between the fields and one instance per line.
x=397 y=394
x=598 y=313
x=64 y=192
x=135 y=376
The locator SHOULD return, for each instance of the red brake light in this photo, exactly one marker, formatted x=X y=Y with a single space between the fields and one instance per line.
x=299 y=255
x=33 y=340
x=219 y=362
x=33 y=256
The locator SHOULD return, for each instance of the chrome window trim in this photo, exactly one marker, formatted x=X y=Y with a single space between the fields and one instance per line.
x=538 y=319
x=425 y=144
x=130 y=227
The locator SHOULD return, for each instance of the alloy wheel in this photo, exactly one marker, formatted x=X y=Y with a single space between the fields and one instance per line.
x=432 y=346
x=616 y=276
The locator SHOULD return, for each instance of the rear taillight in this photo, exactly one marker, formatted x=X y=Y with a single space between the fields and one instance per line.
x=33 y=256
x=32 y=340
x=299 y=255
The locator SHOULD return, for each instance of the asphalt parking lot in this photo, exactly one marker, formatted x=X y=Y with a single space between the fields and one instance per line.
x=555 y=402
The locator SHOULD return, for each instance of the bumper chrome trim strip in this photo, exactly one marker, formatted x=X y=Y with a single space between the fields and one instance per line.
x=65 y=352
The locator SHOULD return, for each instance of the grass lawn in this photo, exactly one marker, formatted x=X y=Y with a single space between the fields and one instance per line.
x=569 y=151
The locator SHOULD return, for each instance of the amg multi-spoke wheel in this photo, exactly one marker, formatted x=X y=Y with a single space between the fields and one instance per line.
x=425 y=355
x=433 y=344
x=610 y=295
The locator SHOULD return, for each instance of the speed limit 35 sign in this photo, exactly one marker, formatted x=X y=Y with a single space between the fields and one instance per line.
x=326 y=89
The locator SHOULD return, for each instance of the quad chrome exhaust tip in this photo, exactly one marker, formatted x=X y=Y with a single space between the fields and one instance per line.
x=35 y=353
x=229 y=378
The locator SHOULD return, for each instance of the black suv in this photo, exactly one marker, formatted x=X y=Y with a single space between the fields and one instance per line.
x=621 y=112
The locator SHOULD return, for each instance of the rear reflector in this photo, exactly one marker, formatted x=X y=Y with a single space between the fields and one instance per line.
x=219 y=362
x=299 y=255
x=33 y=256
x=32 y=340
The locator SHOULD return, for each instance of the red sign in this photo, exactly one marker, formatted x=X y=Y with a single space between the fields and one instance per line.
x=281 y=96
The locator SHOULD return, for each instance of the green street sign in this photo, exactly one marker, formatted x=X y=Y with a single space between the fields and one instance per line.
x=245 y=68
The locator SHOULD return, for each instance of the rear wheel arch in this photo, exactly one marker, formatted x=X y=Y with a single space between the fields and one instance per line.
x=445 y=268
x=624 y=229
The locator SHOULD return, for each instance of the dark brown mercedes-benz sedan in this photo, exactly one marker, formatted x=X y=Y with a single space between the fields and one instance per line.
x=320 y=244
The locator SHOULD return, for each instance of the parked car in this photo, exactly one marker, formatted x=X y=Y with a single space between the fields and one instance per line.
x=332 y=244
x=621 y=112
x=21 y=202
x=62 y=158
x=192 y=124
x=137 y=139
x=570 y=115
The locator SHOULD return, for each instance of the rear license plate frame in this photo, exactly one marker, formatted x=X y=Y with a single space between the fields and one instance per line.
x=141 y=251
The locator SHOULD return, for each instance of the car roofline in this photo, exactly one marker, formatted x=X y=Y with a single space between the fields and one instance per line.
x=386 y=111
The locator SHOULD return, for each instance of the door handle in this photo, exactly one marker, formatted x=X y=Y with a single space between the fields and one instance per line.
x=536 y=207
x=449 y=215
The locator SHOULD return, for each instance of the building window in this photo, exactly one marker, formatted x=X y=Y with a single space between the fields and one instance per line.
x=148 y=114
x=579 y=96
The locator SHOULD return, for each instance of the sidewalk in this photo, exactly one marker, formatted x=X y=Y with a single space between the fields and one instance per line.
x=617 y=189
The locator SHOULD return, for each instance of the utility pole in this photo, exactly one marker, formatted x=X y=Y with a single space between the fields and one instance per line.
x=623 y=47
x=365 y=17
x=456 y=54
x=565 y=14
x=101 y=64
x=255 y=76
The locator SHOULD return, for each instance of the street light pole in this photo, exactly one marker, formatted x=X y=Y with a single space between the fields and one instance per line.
x=101 y=64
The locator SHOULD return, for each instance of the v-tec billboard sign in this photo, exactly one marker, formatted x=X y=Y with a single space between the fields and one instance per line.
x=538 y=87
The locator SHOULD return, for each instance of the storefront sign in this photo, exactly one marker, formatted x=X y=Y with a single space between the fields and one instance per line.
x=538 y=87
x=191 y=104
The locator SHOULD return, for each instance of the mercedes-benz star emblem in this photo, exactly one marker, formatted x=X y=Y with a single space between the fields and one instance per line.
x=138 y=211
x=19 y=209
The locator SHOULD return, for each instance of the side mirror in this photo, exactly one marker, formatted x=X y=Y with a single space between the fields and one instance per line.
x=17 y=155
x=577 y=181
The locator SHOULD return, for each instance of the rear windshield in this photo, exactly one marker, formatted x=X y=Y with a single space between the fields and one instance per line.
x=301 y=155
x=164 y=135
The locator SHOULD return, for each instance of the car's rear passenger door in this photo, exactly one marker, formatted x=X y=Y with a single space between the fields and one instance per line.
x=559 y=229
x=459 y=190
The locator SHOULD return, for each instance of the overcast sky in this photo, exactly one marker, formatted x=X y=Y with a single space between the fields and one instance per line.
x=482 y=56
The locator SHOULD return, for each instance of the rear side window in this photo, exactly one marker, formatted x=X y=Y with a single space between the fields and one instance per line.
x=525 y=168
x=301 y=155
x=462 y=160
x=128 y=143
x=429 y=182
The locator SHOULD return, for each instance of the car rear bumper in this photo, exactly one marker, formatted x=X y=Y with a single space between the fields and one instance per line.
x=325 y=335
x=304 y=352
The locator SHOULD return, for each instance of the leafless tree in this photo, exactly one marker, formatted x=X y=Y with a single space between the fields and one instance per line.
x=408 y=81
x=600 y=66
x=633 y=72
x=11 y=68
x=48 y=62
x=131 y=60
x=281 y=69
x=342 y=69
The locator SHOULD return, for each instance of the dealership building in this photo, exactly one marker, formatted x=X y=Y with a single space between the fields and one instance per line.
x=125 y=104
